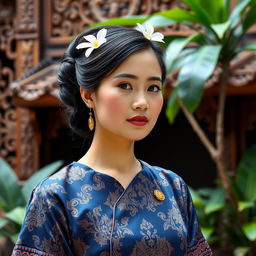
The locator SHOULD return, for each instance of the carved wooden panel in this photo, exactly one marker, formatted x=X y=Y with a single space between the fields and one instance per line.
x=7 y=57
x=27 y=36
x=68 y=18
x=28 y=142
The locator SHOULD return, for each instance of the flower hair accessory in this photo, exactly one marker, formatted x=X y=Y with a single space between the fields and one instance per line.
x=93 y=42
x=148 y=32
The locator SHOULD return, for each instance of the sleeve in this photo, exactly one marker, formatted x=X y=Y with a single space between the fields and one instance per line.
x=45 y=230
x=197 y=245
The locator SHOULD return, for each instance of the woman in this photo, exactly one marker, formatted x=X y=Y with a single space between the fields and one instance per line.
x=109 y=202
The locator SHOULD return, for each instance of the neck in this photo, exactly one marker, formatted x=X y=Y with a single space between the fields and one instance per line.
x=109 y=152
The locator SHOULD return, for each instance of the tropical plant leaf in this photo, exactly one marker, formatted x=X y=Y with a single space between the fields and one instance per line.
x=181 y=59
x=14 y=237
x=172 y=108
x=124 y=21
x=195 y=72
x=3 y=222
x=197 y=200
x=39 y=176
x=250 y=230
x=218 y=10
x=178 y=15
x=216 y=202
x=246 y=175
x=202 y=15
x=244 y=205
x=235 y=16
x=221 y=29
x=248 y=47
x=10 y=191
x=16 y=215
x=207 y=232
x=159 y=21
x=175 y=47
x=250 y=17
x=241 y=251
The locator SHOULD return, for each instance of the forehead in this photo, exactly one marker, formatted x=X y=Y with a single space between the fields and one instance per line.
x=142 y=63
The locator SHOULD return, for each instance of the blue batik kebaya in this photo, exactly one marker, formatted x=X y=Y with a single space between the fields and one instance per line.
x=79 y=211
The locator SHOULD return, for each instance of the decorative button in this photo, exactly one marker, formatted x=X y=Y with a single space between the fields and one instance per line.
x=159 y=195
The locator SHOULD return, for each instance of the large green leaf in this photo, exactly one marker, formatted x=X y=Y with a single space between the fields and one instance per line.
x=160 y=21
x=181 y=59
x=250 y=230
x=3 y=222
x=217 y=10
x=172 y=106
x=241 y=251
x=16 y=215
x=124 y=21
x=175 y=47
x=250 y=17
x=179 y=15
x=236 y=14
x=195 y=72
x=207 y=232
x=197 y=200
x=202 y=15
x=221 y=28
x=248 y=47
x=14 y=237
x=246 y=175
x=10 y=191
x=242 y=205
x=216 y=202
x=39 y=176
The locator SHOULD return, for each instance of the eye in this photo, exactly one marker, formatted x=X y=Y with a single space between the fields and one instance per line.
x=125 y=86
x=154 y=88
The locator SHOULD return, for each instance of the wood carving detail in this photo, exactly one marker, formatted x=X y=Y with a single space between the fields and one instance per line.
x=28 y=141
x=7 y=110
x=26 y=20
x=70 y=17
x=27 y=57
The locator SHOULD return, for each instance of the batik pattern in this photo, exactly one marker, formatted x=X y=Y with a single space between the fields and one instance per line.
x=79 y=211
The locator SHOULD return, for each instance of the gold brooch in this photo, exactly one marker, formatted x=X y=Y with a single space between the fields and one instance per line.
x=159 y=195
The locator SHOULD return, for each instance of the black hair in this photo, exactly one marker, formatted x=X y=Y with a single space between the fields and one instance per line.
x=77 y=71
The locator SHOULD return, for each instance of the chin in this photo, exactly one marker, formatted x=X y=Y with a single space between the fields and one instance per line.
x=139 y=137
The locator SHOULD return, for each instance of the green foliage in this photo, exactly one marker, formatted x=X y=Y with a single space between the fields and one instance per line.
x=211 y=207
x=14 y=198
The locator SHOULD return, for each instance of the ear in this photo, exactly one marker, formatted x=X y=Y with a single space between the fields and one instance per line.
x=87 y=97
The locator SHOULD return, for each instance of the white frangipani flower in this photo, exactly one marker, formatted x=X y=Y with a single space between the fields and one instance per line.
x=148 y=32
x=93 y=42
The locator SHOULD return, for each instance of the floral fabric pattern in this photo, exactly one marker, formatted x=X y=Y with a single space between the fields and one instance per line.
x=79 y=211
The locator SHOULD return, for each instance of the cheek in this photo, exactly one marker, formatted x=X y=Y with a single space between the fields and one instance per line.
x=111 y=103
x=158 y=104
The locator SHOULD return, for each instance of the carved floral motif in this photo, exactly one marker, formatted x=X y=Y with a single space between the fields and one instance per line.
x=26 y=20
x=70 y=17
x=7 y=110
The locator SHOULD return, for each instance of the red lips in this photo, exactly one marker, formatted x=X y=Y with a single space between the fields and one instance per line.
x=138 y=120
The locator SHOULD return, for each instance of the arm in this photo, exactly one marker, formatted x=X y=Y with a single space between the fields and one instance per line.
x=44 y=231
x=197 y=245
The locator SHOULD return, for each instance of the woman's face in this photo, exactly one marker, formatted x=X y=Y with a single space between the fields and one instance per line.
x=128 y=101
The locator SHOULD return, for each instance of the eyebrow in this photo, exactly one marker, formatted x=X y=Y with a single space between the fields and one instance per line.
x=128 y=75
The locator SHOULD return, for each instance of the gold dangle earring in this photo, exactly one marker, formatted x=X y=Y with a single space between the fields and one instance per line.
x=90 y=121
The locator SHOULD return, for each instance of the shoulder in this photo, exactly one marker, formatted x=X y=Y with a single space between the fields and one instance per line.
x=59 y=183
x=162 y=172
x=166 y=177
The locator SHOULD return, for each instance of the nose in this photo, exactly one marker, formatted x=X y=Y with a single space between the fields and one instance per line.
x=140 y=102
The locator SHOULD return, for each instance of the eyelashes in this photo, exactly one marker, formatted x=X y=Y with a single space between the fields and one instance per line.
x=151 y=88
